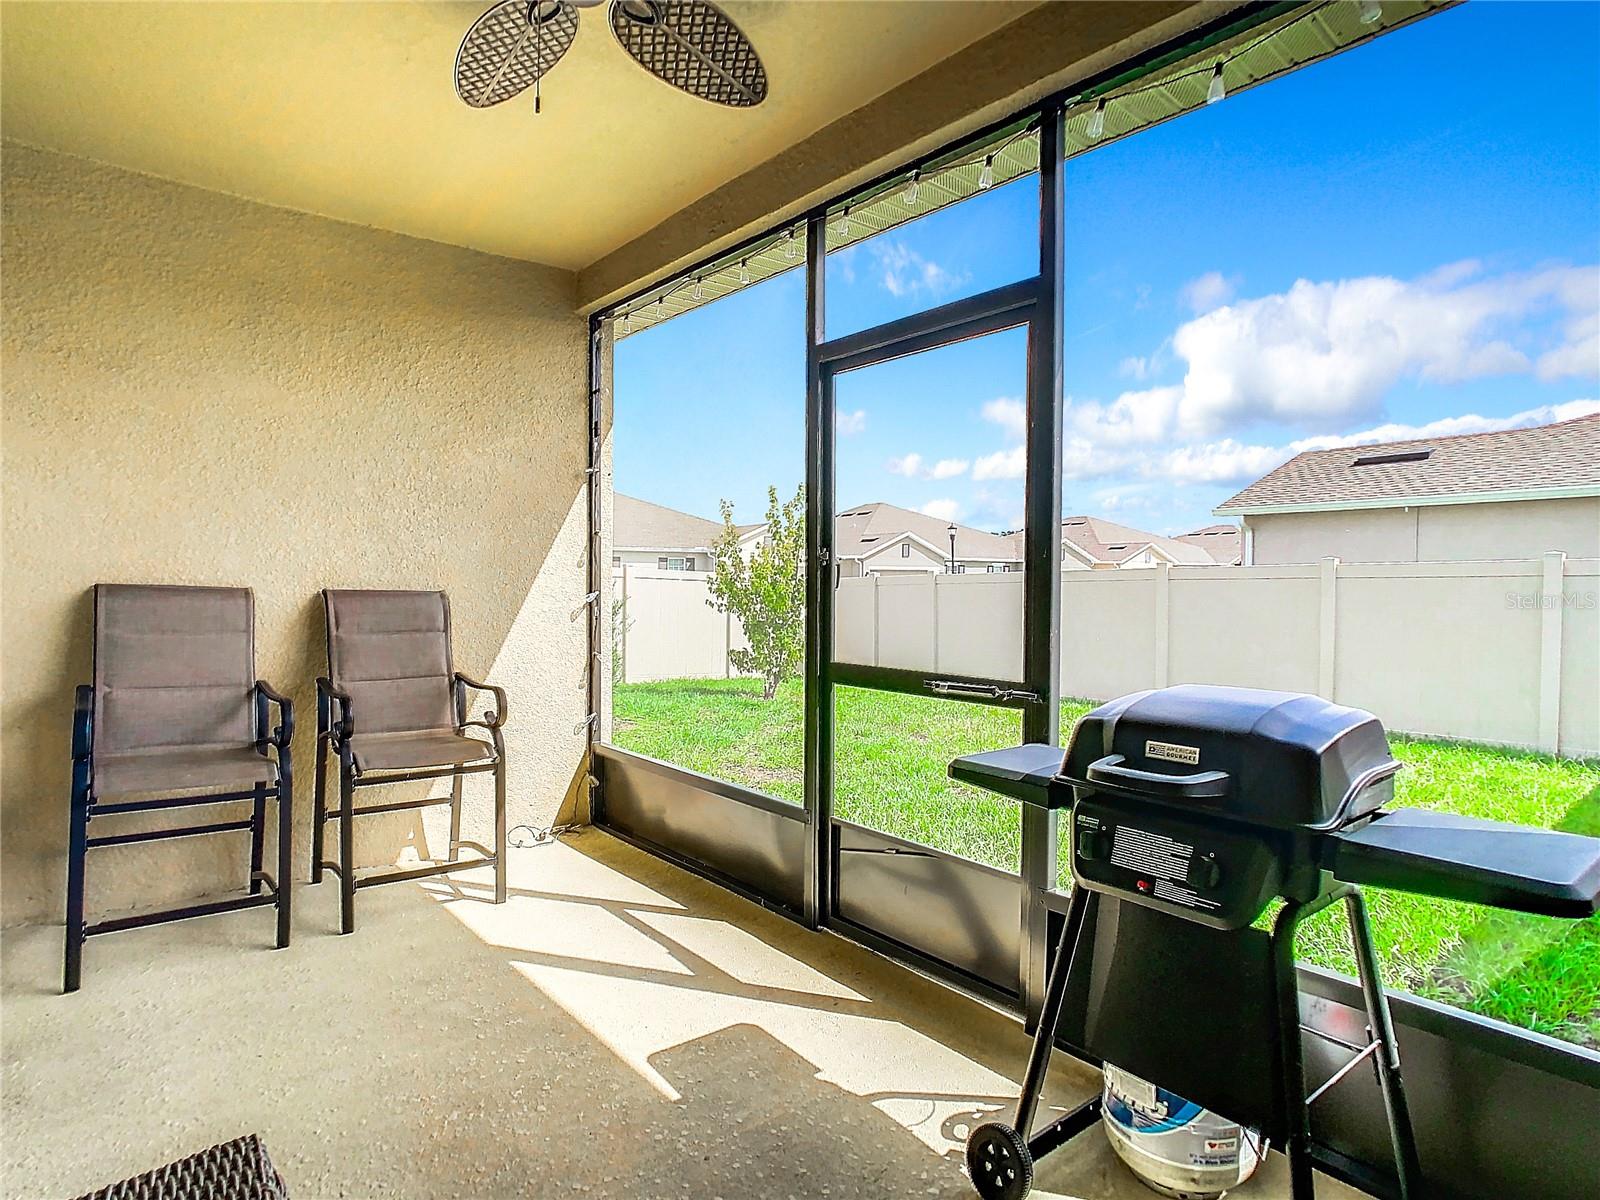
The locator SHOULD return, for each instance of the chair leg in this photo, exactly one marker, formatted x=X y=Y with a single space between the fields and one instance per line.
x=319 y=808
x=347 y=854
x=258 y=834
x=285 y=846
x=77 y=856
x=500 y=827
x=455 y=814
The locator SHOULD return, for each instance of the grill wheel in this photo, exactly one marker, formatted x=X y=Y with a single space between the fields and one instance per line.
x=999 y=1163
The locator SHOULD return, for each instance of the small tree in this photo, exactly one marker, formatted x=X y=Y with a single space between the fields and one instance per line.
x=766 y=590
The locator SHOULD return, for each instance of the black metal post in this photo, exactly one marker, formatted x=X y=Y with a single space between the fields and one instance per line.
x=285 y=880
x=819 y=590
x=77 y=855
x=347 y=832
x=1041 y=618
x=258 y=835
x=319 y=787
x=499 y=814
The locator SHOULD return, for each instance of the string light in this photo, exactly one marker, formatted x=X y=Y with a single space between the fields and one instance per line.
x=1371 y=12
x=986 y=176
x=660 y=300
x=1097 y=121
x=843 y=227
x=913 y=188
x=789 y=246
x=627 y=323
x=1218 y=90
x=699 y=292
x=744 y=270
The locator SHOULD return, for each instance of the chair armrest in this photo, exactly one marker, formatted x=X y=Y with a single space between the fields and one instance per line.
x=495 y=717
x=285 y=731
x=83 y=722
x=327 y=695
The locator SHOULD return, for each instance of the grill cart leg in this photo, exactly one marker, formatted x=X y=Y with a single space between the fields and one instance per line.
x=1000 y=1157
x=1386 y=1060
x=455 y=814
x=1382 y=1047
x=1291 y=1064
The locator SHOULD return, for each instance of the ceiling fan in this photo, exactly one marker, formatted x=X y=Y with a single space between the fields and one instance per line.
x=690 y=44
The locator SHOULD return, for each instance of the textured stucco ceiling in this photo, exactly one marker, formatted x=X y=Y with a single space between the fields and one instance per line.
x=348 y=110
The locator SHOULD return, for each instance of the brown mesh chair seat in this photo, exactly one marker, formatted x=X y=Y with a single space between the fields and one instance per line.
x=413 y=751
x=393 y=709
x=177 y=717
x=221 y=768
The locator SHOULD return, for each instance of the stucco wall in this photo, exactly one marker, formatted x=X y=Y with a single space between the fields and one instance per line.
x=1431 y=532
x=199 y=389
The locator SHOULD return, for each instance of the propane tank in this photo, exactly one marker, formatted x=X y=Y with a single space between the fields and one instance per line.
x=1174 y=1146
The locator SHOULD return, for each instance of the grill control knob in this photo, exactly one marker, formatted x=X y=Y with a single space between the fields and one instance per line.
x=1205 y=873
x=1091 y=845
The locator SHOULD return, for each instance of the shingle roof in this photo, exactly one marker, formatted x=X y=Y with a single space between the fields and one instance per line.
x=1221 y=542
x=1103 y=541
x=640 y=525
x=860 y=530
x=1559 y=459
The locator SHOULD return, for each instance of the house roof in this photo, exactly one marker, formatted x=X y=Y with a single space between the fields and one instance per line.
x=1543 y=462
x=1222 y=542
x=639 y=525
x=866 y=528
x=1098 y=540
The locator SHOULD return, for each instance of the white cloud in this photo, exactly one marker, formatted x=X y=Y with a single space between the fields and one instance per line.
x=1231 y=462
x=1136 y=366
x=1211 y=290
x=912 y=466
x=1002 y=464
x=944 y=510
x=1329 y=351
x=1220 y=462
x=849 y=423
x=907 y=273
x=1010 y=414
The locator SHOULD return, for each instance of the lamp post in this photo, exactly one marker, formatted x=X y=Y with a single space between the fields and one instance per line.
x=952 y=532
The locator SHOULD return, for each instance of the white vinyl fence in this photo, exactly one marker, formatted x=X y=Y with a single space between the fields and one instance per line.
x=1504 y=651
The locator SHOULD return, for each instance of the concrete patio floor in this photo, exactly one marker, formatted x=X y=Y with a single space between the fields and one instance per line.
x=618 y=1029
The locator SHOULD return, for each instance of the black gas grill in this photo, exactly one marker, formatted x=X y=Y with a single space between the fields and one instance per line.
x=1191 y=811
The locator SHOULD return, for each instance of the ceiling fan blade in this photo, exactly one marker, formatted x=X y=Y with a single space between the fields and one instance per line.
x=694 y=46
x=510 y=47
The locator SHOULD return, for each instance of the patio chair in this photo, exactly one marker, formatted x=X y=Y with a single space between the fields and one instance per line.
x=176 y=717
x=393 y=709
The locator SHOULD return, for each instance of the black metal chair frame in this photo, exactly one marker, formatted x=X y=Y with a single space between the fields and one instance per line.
x=334 y=734
x=85 y=808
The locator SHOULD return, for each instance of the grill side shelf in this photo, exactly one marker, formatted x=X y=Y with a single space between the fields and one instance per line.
x=1473 y=861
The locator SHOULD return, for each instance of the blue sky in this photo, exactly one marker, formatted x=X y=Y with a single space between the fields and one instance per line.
x=1402 y=238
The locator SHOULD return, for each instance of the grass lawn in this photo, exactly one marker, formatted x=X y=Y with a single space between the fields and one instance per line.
x=892 y=752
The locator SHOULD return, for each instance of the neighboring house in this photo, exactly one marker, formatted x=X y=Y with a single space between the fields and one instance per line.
x=1224 y=543
x=651 y=535
x=1513 y=494
x=1095 y=544
x=870 y=539
x=882 y=539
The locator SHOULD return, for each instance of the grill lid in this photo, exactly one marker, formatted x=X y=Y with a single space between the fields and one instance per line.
x=1275 y=759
